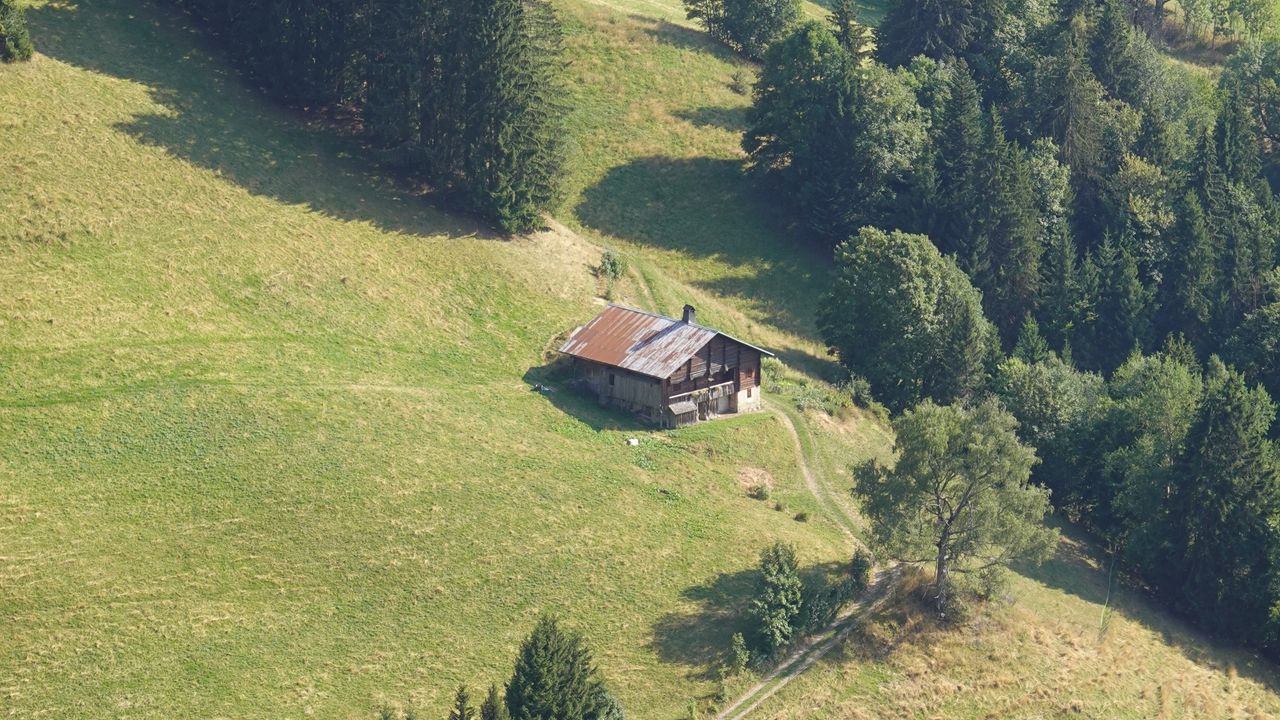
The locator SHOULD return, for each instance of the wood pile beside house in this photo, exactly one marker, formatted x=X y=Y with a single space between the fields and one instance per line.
x=670 y=372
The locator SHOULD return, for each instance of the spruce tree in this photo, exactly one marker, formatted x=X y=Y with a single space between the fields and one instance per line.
x=939 y=29
x=1123 y=320
x=959 y=147
x=855 y=37
x=1189 y=284
x=462 y=709
x=1222 y=540
x=554 y=677
x=1236 y=140
x=494 y=706
x=1031 y=347
x=1011 y=231
x=513 y=119
x=15 y=41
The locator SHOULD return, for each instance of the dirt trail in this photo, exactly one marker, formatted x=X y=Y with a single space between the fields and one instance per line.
x=819 y=644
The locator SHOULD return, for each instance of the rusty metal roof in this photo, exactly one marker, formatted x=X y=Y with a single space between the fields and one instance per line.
x=639 y=341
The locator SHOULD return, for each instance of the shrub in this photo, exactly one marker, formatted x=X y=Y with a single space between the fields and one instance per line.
x=759 y=491
x=612 y=265
x=859 y=389
x=802 y=516
x=776 y=606
x=860 y=570
x=738 y=654
x=778 y=506
x=15 y=43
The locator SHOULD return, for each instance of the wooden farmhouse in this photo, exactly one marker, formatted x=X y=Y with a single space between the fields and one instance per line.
x=671 y=372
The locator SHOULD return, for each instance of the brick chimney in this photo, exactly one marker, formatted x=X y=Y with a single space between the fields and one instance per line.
x=690 y=314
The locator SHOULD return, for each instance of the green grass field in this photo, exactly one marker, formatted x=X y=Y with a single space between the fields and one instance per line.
x=268 y=444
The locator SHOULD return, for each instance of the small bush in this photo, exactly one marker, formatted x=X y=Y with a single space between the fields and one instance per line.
x=759 y=491
x=860 y=570
x=778 y=506
x=739 y=82
x=612 y=265
x=771 y=372
x=15 y=42
x=802 y=516
x=859 y=389
x=738 y=654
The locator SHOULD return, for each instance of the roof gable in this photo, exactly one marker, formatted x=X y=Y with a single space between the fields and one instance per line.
x=639 y=341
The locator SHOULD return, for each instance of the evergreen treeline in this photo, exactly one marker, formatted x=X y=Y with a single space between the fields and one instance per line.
x=466 y=94
x=1118 y=219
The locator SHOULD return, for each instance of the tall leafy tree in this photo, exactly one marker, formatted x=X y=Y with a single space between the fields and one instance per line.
x=837 y=139
x=958 y=496
x=906 y=319
x=754 y=25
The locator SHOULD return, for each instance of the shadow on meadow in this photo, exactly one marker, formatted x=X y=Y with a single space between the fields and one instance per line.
x=705 y=208
x=1080 y=567
x=732 y=119
x=214 y=120
x=700 y=637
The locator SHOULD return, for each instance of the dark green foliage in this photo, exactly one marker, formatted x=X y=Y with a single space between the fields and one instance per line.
x=775 y=609
x=1254 y=347
x=555 y=678
x=958 y=496
x=854 y=36
x=1189 y=294
x=739 y=656
x=958 y=142
x=462 y=709
x=837 y=139
x=749 y=26
x=906 y=319
x=494 y=706
x=464 y=95
x=940 y=29
x=15 y=42
x=1031 y=347
x=1219 y=528
x=1123 y=320
x=1009 y=276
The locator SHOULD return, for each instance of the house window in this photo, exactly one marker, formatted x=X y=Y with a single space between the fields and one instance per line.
x=612 y=377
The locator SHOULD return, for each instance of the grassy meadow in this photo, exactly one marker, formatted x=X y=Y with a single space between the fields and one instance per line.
x=269 y=445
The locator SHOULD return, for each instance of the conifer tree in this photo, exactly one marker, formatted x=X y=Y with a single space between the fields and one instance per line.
x=512 y=123
x=959 y=143
x=1222 y=540
x=1010 y=227
x=939 y=29
x=1123 y=321
x=1189 y=287
x=1236 y=140
x=554 y=677
x=494 y=706
x=854 y=36
x=462 y=709
x=1031 y=347
x=15 y=40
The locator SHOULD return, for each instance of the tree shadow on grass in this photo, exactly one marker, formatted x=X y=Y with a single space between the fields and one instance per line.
x=700 y=637
x=213 y=119
x=733 y=119
x=705 y=208
x=1080 y=567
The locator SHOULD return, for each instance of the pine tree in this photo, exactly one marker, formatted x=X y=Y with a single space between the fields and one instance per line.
x=494 y=706
x=959 y=148
x=15 y=41
x=1222 y=538
x=1011 y=232
x=1189 y=286
x=939 y=29
x=462 y=709
x=854 y=36
x=554 y=676
x=513 y=119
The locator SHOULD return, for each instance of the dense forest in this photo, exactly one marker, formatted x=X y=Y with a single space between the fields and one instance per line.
x=1058 y=190
x=467 y=96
